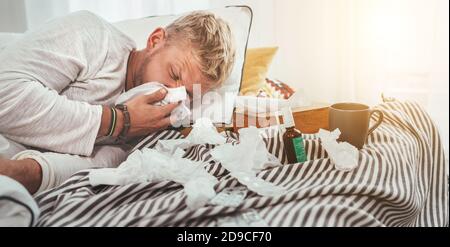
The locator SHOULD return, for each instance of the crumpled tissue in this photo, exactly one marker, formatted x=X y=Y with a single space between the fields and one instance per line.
x=166 y=162
x=174 y=95
x=149 y=165
x=203 y=132
x=246 y=158
x=230 y=197
x=342 y=154
x=242 y=160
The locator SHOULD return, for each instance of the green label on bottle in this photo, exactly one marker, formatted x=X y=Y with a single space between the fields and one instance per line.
x=299 y=148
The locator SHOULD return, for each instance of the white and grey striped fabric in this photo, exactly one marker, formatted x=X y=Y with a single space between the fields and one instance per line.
x=400 y=181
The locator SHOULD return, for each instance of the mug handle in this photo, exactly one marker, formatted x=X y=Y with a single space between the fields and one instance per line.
x=380 y=120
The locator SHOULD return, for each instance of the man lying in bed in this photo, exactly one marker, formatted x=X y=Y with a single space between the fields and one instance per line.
x=57 y=85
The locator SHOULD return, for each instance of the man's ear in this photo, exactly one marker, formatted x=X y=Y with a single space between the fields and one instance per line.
x=156 y=38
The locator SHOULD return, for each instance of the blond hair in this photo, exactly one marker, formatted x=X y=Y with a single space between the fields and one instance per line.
x=211 y=40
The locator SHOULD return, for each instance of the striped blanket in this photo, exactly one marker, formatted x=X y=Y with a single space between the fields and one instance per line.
x=400 y=181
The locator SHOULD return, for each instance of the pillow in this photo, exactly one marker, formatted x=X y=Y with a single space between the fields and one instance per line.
x=275 y=89
x=257 y=63
x=219 y=109
x=17 y=206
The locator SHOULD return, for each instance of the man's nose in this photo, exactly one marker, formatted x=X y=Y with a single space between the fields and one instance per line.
x=174 y=84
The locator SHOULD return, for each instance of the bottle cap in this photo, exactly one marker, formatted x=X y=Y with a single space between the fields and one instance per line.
x=288 y=119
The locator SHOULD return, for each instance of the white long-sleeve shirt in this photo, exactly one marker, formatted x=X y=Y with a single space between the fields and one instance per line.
x=53 y=81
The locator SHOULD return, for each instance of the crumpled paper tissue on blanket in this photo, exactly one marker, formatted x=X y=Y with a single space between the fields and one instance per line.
x=174 y=95
x=149 y=165
x=165 y=162
x=342 y=154
x=243 y=160
x=246 y=158
x=203 y=132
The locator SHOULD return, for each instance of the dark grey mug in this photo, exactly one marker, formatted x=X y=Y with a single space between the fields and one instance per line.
x=353 y=119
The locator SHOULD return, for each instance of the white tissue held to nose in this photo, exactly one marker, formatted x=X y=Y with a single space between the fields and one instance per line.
x=342 y=154
x=174 y=95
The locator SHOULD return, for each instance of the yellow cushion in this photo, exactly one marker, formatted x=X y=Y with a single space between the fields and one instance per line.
x=257 y=63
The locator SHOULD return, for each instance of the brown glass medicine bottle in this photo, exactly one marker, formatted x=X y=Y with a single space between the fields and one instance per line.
x=294 y=146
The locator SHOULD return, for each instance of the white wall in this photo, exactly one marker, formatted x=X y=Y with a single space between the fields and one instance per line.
x=354 y=50
x=20 y=15
x=12 y=16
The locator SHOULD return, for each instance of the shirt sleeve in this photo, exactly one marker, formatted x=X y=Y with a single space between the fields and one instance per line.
x=37 y=116
x=58 y=167
x=38 y=68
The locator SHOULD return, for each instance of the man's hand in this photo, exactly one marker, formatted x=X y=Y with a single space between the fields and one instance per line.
x=146 y=118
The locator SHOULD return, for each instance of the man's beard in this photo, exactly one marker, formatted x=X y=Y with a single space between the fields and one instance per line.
x=139 y=77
